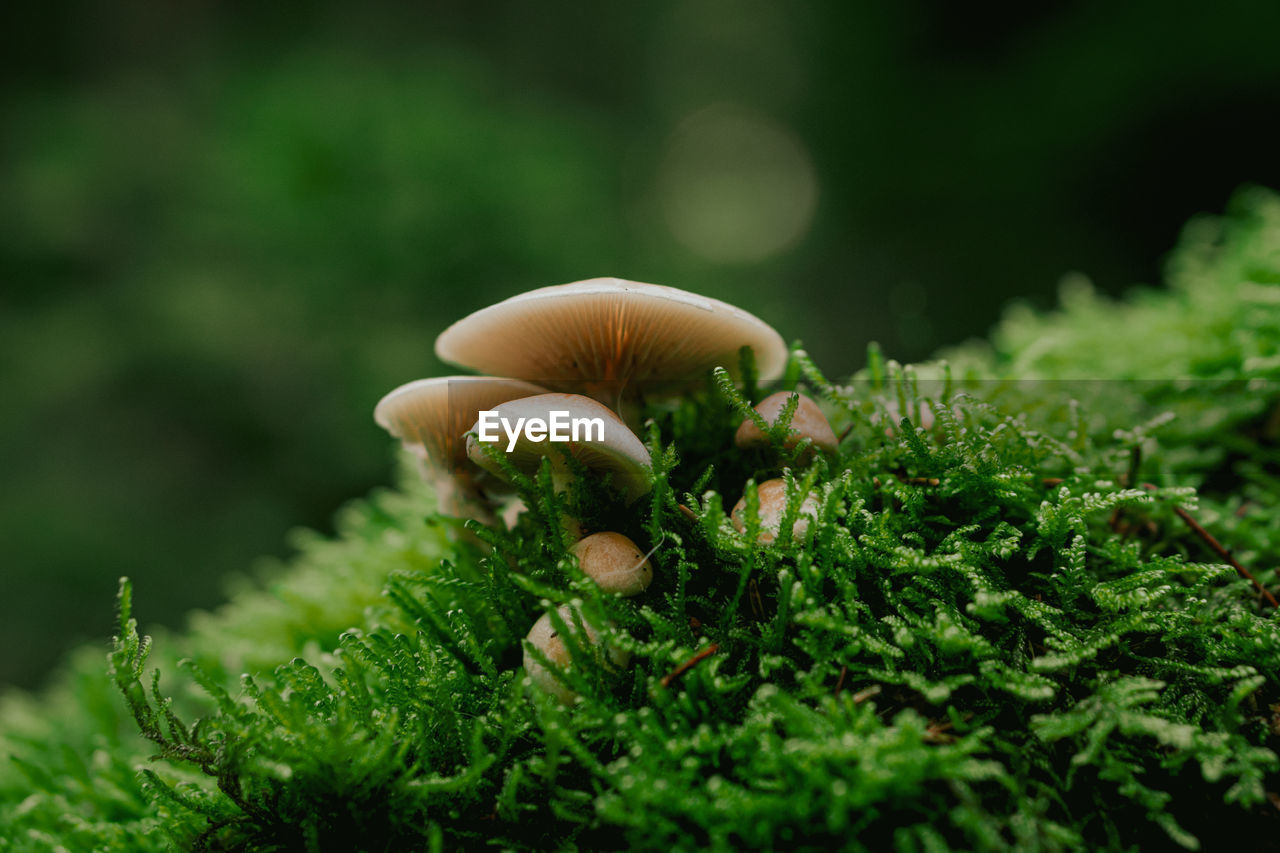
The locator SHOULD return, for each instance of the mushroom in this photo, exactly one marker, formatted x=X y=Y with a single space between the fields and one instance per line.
x=610 y=338
x=604 y=444
x=512 y=510
x=893 y=416
x=615 y=563
x=807 y=422
x=773 y=503
x=430 y=417
x=545 y=638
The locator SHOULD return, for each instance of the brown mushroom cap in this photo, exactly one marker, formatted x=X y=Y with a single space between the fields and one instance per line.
x=545 y=638
x=773 y=502
x=615 y=563
x=610 y=333
x=433 y=415
x=807 y=422
x=620 y=453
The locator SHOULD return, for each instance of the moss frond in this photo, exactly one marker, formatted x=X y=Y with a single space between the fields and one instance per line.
x=997 y=630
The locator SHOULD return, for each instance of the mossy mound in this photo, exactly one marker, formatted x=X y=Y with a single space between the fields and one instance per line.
x=1008 y=629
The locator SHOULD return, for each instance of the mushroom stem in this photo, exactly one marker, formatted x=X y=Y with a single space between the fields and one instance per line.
x=630 y=409
x=459 y=497
x=625 y=398
x=456 y=493
x=561 y=477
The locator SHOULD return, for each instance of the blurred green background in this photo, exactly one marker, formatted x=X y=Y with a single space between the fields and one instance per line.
x=227 y=229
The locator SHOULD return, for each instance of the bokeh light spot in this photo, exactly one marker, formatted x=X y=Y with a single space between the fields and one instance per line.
x=736 y=187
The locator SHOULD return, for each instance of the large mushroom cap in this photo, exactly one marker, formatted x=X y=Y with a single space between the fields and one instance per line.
x=609 y=331
x=619 y=452
x=434 y=414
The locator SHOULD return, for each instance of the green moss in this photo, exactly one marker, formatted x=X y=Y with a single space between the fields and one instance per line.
x=993 y=634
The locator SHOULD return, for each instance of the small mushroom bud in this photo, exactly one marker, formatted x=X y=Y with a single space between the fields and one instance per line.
x=615 y=563
x=807 y=422
x=546 y=638
x=893 y=415
x=773 y=502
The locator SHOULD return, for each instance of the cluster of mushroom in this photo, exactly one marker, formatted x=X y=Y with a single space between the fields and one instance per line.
x=808 y=423
x=596 y=349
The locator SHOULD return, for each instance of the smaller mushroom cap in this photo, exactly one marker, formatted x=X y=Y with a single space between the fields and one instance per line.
x=615 y=563
x=431 y=416
x=807 y=422
x=545 y=638
x=773 y=502
x=606 y=334
x=620 y=453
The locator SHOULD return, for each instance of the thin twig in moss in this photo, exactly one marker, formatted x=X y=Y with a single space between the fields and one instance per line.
x=866 y=693
x=1221 y=551
x=689 y=664
x=1135 y=466
x=937 y=732
x=753 y=596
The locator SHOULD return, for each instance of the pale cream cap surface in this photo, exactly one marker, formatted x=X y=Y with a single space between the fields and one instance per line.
x=620 y=453
x=615 y=563
x=609 y=330
x=435 y=414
